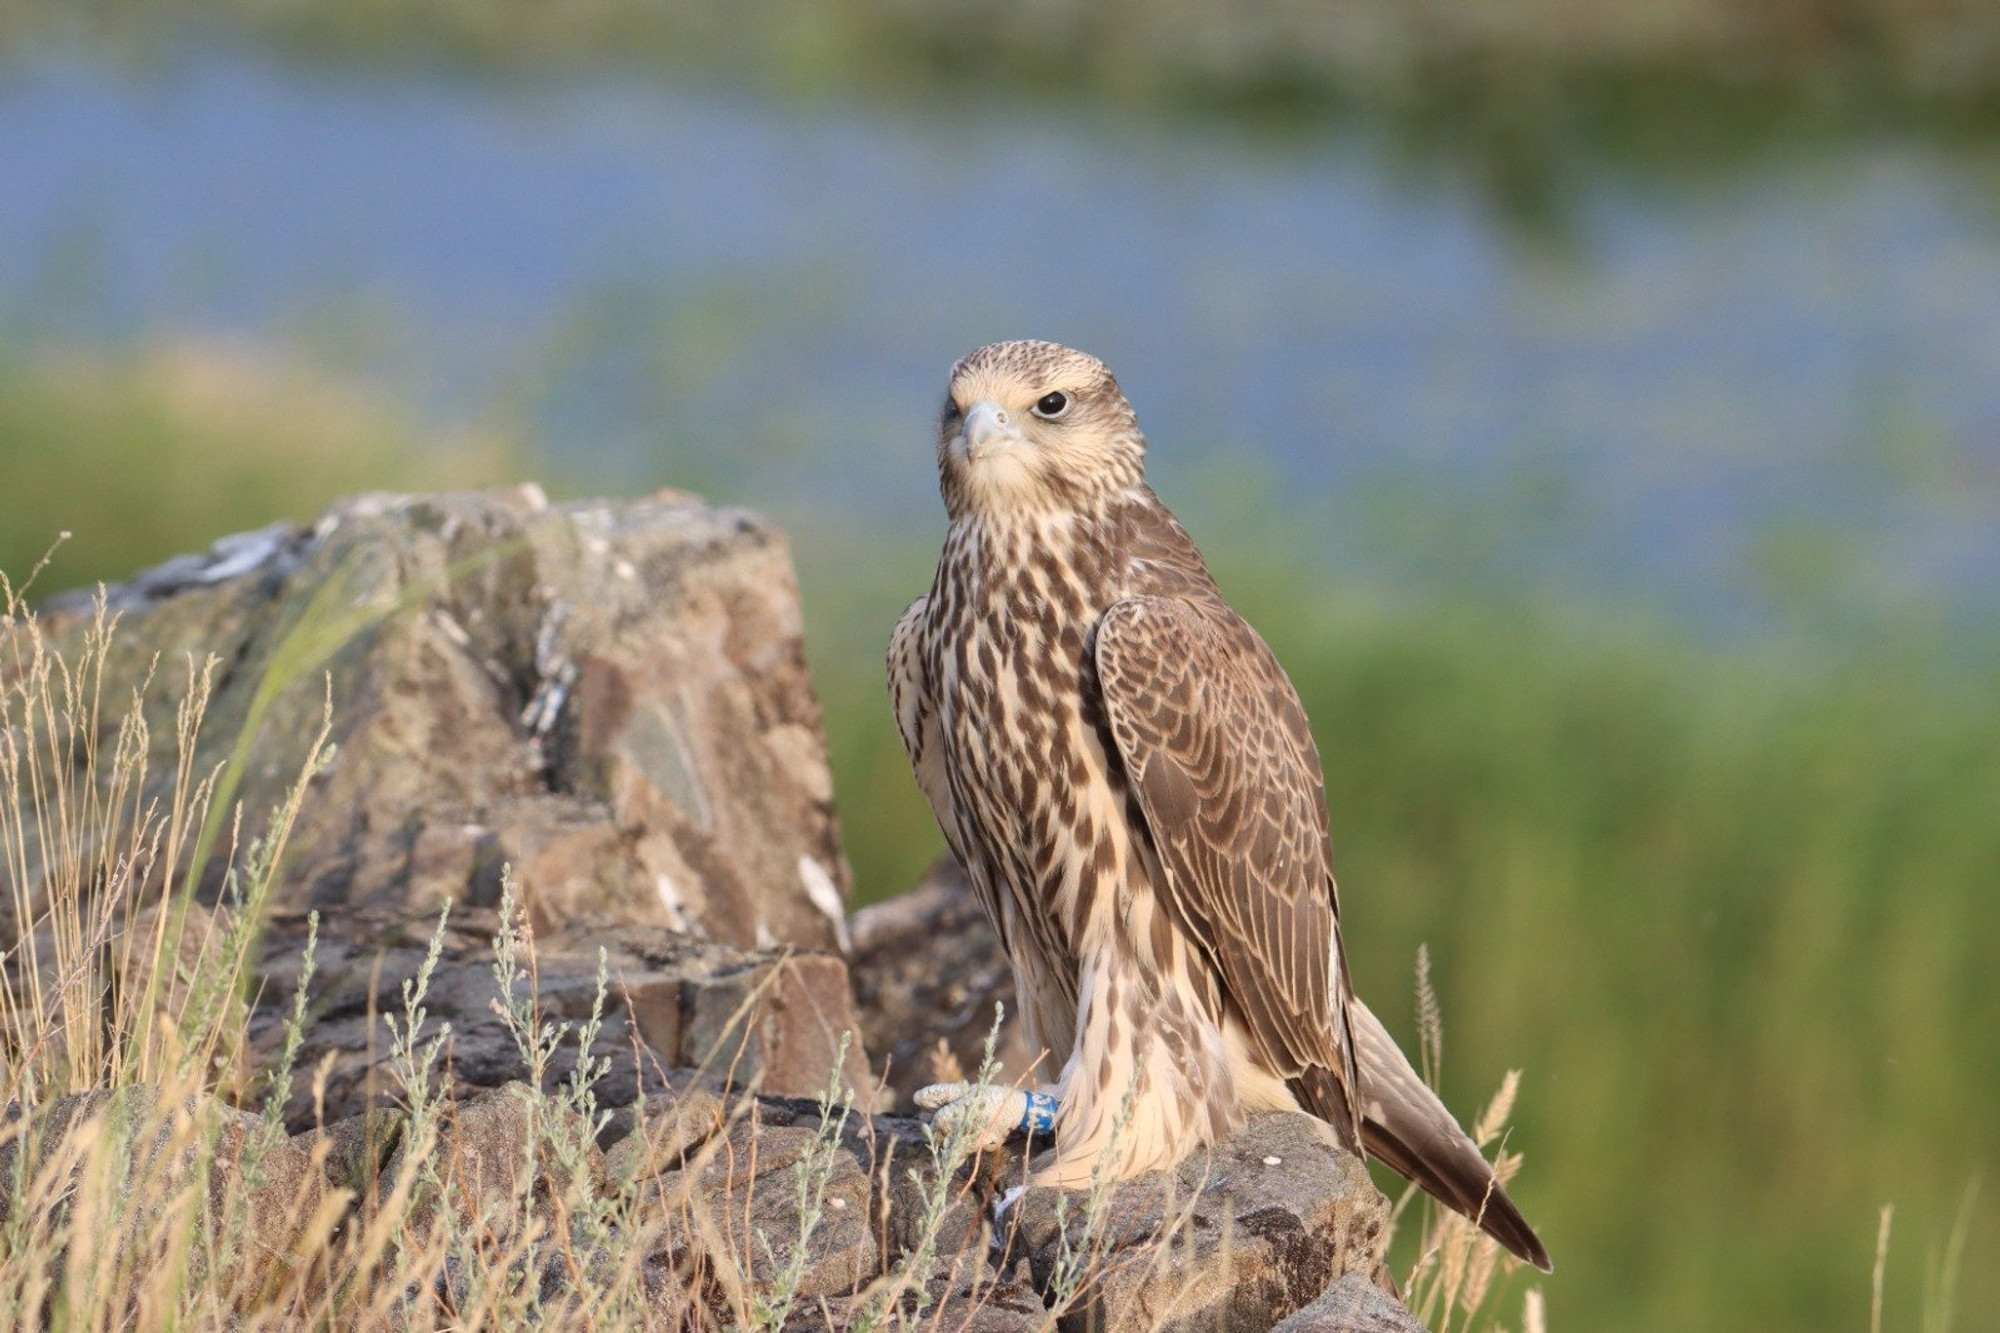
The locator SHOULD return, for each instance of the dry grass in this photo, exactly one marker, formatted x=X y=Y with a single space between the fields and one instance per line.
x=117 y=984
x=148 y=1177
x=1460 y=1273
x=169 y=1192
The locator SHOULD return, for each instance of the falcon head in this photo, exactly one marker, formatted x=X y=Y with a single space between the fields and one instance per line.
x=1035 y=426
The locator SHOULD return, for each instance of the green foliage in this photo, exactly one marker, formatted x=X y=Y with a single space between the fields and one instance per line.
x=157 y=451
x=950 y=1149
x=811 y=1175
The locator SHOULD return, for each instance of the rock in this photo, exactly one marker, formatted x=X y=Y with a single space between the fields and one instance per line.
x=670 y=1289
x=610 y=695
x=928 y=971
x=187 y=940
x=1006 y=1307
x=768 y=1019
x=674 y=1124
x=355 y=1149
x=261 y=1195
x=838 y=1254
x=352 y=1152
x=736 y=1205
x=1352 y=1305
x=746 y=1208
x=755 y=1208
x=1256 y=1228
x=906 y=1175
x=896 y=1155
x=775 y=1021
x=981 y=1305
x=497 y=1167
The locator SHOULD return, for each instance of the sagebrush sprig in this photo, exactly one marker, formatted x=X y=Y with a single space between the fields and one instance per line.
x=1075 y=1258
x=811 y=1176
x=949 y=1151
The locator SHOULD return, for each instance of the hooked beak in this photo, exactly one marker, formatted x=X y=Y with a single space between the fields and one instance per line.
x=988 y=430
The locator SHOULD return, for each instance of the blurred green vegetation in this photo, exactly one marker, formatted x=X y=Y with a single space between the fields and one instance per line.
x=150 y=451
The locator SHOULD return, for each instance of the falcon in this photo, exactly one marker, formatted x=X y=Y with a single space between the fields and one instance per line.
x=1127 y=775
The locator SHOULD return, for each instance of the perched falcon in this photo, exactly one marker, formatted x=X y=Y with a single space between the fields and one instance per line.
x=1128 y=776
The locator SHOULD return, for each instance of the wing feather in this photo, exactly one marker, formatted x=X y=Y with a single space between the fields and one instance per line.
x=1405 y=1125
x=1228 y=778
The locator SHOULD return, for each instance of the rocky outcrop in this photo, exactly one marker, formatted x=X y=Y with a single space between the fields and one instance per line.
x=751 y=1204
x=768 y=1196
x=1352 y=1305
x=129 y=1159
x=610 y=700
x=1239 y=1236
x=496 y=1167
x=758 y=1019
x=609 y=696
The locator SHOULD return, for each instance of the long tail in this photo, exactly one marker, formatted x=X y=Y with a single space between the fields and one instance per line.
x=1404 y=1124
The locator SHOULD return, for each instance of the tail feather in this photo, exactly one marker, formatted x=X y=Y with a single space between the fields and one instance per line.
x=1405 y=1125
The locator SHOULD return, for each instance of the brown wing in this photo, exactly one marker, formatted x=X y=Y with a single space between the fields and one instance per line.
x=1228 y=778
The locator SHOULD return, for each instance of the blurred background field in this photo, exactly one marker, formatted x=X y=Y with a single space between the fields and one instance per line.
x=1597 y=406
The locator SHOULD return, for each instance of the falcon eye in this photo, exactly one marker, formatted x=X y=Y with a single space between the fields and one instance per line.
x=1052 y=405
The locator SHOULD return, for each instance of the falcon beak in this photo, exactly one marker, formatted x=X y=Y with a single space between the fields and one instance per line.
x=988 y=430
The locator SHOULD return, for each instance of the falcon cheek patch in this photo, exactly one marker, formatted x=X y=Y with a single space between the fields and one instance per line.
x=1004 y=481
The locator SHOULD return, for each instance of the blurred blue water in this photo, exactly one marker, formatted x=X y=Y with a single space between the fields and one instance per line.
x=1713 y=398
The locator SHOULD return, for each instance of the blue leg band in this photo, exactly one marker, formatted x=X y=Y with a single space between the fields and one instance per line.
x=1040 y=1115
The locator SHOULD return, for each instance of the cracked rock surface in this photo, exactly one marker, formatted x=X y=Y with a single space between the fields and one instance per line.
x=678 y=1012
x=610 y=696
x=1239 y=1236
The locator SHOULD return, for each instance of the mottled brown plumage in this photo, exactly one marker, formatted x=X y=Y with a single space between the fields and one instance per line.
x=1127 y=774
